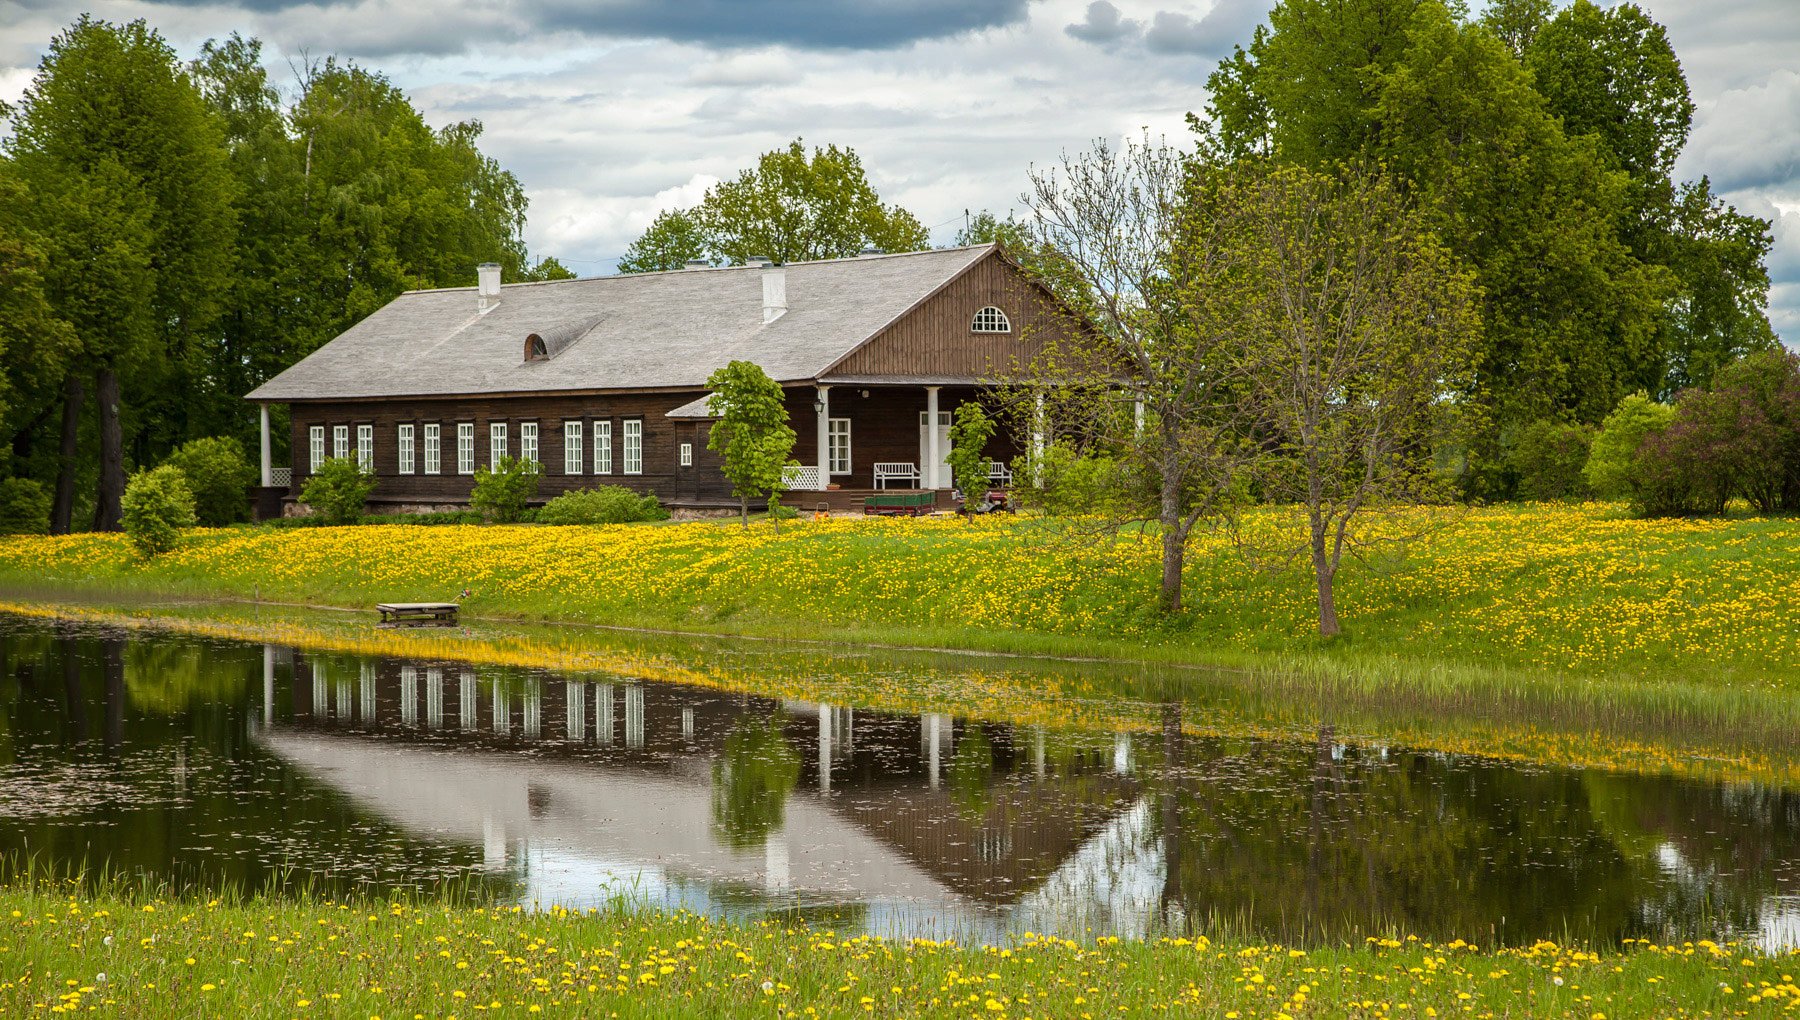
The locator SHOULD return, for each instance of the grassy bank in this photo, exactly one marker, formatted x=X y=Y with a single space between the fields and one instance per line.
x=1577 y=589
x=149 y=956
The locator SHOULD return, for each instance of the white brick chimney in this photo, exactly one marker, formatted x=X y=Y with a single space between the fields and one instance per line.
x=774 y=281
x=487 y=286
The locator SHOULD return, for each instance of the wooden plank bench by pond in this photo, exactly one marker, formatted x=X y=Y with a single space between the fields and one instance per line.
x=417 y=614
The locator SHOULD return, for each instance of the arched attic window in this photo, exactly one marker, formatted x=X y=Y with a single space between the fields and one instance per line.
x=536 y=349
x=991 y=320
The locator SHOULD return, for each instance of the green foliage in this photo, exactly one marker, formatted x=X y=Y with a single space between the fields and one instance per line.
x=24 y=507
x=35 y=342
x=502 y=493
x=607 y=504
x=970 y=430
x=338 y=490
x=157 y=504
x=1548 y=456
x=1075 y=484
x=1611 y=469
x=751 y=435
x=752 y=778
x=791 y=207
x=219 y=476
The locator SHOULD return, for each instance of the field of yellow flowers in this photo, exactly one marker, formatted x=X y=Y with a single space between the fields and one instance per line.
x=1580 y=589
x=152 y=957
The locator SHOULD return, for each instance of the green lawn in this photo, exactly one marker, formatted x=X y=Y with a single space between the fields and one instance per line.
x=148 y=956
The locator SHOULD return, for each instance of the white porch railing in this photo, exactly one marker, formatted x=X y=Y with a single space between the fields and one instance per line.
x=802 y=478
x=281 y=477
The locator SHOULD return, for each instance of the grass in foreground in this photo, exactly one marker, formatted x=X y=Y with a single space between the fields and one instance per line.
x=1578 y=589
x=152 y=957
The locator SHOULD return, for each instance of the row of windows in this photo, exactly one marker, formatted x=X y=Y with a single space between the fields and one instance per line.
x=424 y=449
x=427 y=446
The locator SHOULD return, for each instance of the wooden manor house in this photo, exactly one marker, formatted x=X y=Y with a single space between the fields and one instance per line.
x=603 y=380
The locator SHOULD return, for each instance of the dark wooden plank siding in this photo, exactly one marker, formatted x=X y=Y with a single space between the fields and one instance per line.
x=937 y=338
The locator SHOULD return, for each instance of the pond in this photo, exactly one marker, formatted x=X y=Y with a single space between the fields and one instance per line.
x=208 y=760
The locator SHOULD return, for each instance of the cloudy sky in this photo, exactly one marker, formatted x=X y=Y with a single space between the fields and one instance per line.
x=610 y=110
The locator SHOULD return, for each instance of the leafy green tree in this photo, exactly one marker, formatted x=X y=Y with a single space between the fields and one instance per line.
x=1517 y=22
x=1548 y=457
x=127 y=171
x=35 y=342
x=502 y=493
x=970 y=430
x=792 y=207
x=751 y=434
x=1611 y=469
x=157 y=504
x=219 y=476
x=24 y=507
x=1720 y=311
x=339 y=490
x=1354 y=321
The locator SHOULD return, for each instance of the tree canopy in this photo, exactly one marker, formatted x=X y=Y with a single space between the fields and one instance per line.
x=791 y=207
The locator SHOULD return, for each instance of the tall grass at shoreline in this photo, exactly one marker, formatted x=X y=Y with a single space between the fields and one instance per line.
x=152 y=953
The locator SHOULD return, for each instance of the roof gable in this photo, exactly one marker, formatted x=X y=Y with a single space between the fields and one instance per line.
x=640 y=331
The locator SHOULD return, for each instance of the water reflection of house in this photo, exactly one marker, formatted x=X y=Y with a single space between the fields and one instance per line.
x=613 y=775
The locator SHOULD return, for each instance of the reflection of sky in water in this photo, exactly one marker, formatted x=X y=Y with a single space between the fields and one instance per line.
x=578 y=790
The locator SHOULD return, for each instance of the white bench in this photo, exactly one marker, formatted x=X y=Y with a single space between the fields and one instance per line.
x=896 y=471
x=999 y=474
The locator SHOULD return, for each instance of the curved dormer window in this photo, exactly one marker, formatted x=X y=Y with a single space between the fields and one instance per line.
x=536 y=349
x=991 y=320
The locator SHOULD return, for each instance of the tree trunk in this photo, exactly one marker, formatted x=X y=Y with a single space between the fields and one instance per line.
x=1326 y=575
x=775 y=510
x=112 y=451
x=1174 y=542
x=744 y=510
x=62 y=511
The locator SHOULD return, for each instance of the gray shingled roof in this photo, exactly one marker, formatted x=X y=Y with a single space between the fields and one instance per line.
x=641 y=331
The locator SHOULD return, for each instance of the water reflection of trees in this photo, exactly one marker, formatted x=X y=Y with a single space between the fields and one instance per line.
x=755 y=771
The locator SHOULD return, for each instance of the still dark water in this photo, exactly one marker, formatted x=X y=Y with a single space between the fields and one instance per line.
x=212 y=761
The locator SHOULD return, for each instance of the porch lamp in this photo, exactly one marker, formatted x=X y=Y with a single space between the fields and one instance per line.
x=818 y=405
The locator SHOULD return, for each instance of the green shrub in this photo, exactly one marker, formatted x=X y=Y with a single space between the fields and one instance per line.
x=501 y=494
x=219 y=476
x=157 y=504
x=1548 y=457
x=24 y=507
x=608 y=504
x=338 y=491
x=1611 y=469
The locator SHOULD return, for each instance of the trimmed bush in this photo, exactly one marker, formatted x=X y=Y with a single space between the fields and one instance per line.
x=1611 y=469
x=1764 y=390
x=157 y=504
x=24 y=507
x=608 y=504
x=219 y=476
x=1548 y=457
x=502 y=493
x=338 y=491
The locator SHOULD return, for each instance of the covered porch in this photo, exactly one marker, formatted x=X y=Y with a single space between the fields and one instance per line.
x=884 y=436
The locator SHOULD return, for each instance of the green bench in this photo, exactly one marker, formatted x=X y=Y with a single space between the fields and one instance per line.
x=908 y=504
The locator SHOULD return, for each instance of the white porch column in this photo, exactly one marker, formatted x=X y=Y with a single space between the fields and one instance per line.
x=932 y=454
x=823 y=406
x=268 y=474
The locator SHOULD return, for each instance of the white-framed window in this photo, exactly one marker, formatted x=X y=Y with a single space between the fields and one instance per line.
x=991 y=320
x=403 y=443
x=340 y=441
x=603 y=447
x=687 y=454
x=528 y=448
x=572 y=447
x=316 y=442
x=837 y=449
x=465 y=447
x=365 y=447
x=634 y=446
x=496 y=444
x=433 y=448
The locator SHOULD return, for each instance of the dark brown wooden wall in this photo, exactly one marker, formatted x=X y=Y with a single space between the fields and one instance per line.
x=936 y=340
x=662 y=474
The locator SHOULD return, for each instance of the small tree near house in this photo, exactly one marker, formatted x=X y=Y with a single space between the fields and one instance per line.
x=969 y=434
x=752 y=434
